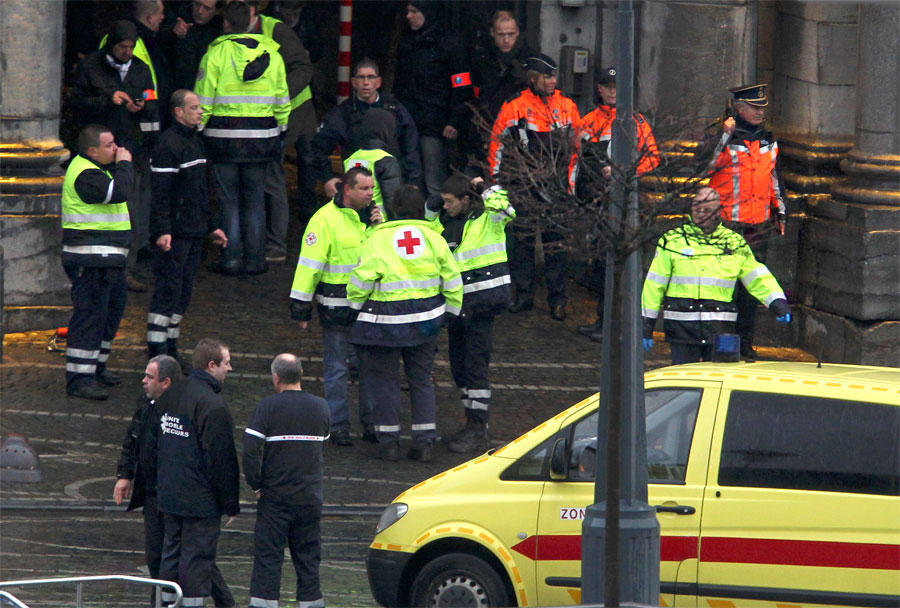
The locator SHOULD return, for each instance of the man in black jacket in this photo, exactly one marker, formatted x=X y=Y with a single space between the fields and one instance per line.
x=185 y=41
x=434 y=83
x=283 y=465
x=342 y=126
x=180 y=218
x=197 y=474
x=115 y=88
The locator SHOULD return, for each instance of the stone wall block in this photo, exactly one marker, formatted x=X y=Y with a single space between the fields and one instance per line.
x=872 y=344
x=837 y=53
x=798 y=55
x=833 y=12
x=33 y=273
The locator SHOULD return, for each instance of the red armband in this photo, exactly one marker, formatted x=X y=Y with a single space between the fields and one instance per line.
x=461 y=80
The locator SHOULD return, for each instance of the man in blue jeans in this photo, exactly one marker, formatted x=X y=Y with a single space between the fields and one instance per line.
x=330 y=250
x=245 y=115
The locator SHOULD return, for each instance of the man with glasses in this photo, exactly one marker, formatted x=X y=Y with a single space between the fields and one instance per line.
x=342 y=127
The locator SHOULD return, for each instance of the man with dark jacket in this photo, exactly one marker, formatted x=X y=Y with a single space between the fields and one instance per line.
x=180 y=218
x=136 y=469
x=147 y=18
x=185 y=42
x=115 y=88
x=498 y=69
x=434 y=83
x=283 y=466
x=342 y=126
x=197 y=474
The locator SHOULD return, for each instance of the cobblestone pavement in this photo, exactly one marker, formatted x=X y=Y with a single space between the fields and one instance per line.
x=68 y=524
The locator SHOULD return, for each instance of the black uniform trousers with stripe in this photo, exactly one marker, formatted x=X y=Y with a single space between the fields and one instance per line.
x=470 y=342
x=174 y=271
x=98 y=303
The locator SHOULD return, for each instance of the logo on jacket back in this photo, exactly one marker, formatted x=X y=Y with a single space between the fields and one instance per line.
x=409 y=242
x=172 y=425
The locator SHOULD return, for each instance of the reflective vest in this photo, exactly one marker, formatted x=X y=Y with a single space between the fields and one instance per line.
x=267 y=25
x=596 y=126
x=481 y=254
x=539 y=117
x=329 y=251
x=245 y=107
x=93 y=234
x=405 y=282
x=744 y=176
x=367 y=159
x=694 y=274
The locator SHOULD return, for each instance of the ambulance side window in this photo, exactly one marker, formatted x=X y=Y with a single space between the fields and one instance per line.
x=802 y=442
x=671 y=414
x=533 y=466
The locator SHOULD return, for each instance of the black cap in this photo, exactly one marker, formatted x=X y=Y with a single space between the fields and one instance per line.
x=754 y=94
x=542 y=64
x=607 y=76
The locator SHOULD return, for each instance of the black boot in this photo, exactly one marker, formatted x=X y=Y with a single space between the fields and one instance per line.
x=593 y=328
x=473 y=438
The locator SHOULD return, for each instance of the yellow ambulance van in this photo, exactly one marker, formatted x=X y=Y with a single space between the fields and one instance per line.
x=776 y=484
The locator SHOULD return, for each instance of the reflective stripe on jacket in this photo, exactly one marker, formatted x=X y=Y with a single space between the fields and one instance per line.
x=368 y=158
x=93 y=234
x=267 y=25
x=405 y=282
x=481 y=254
x=530 y=118
x=744 y=176
x=242 y=89
x=329 y=251
x=692 y=277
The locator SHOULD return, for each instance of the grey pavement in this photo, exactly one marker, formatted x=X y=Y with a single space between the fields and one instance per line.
x=68 y=524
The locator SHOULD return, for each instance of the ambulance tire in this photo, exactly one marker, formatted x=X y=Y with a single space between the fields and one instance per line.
x=458 y=579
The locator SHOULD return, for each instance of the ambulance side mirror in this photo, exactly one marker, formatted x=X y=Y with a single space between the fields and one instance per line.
x=558 y=468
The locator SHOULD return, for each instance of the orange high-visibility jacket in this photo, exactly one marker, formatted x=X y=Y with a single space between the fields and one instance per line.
x=539 y=115
x=744 y=176
x=597 y=126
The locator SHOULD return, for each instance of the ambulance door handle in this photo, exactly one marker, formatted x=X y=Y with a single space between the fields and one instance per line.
x=678 y=510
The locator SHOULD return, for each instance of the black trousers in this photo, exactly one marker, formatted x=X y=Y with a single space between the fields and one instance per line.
x=471 y=341
x=189 y=555
x=154 y=534
x=522 y=268
x=757 y=236
x=378 y=377
x=174 y=271
x=98 y=302
x=298 y=526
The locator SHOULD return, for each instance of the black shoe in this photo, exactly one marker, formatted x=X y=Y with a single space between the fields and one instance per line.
x=747 y=353
x=259 y=270
x=420 y=453
x=368 y=434
x=229 y=270
x=107 y=378
x=472 y=439
x=521 y=306
x=597 y=336
x=342 y=439
x=590 y=330
x=388 y=451
x=558 y=312
x=89 y=390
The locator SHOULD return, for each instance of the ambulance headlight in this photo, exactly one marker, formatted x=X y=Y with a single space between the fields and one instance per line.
x=391 y=515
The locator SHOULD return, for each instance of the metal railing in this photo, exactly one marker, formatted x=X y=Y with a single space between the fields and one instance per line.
x=79 y=587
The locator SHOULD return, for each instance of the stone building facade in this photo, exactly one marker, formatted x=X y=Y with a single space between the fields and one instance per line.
x=833 y=70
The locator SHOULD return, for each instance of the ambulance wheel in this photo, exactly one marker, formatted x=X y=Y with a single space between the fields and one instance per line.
x=458 y=579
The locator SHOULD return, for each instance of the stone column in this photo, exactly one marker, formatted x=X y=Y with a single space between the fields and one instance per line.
x=36 y=288
x=690 y=54
x=850 y=256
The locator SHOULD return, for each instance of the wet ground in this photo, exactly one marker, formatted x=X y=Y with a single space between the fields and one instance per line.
x=67 y=525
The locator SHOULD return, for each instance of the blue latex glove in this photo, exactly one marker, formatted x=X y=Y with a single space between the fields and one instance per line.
x=648 y=343
x=785 y=318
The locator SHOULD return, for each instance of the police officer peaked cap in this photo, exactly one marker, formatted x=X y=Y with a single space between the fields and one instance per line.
x=754 y=94
x=607 y=76
x=541 y=64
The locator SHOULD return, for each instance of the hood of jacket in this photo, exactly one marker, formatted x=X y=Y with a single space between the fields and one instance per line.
x=249 y=54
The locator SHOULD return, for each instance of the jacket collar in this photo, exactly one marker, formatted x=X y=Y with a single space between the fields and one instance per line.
x=204 y=376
